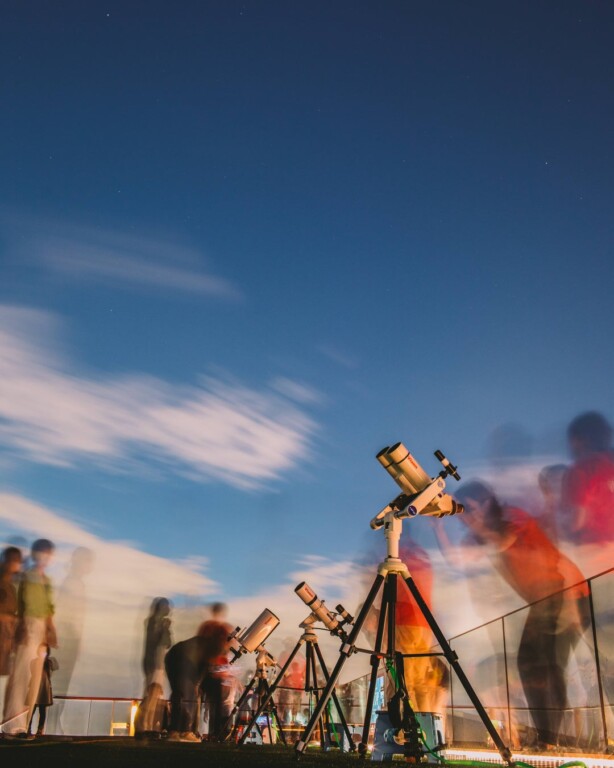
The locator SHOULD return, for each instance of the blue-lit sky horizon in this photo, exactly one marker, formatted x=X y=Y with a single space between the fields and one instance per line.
x=243 y=246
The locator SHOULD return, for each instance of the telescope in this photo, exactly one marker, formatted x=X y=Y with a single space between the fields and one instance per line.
x=333 y=621
x=251 y=639
x=421 y=494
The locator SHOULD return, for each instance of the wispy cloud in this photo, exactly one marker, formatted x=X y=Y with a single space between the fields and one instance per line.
x=294 y=390
x=337 y=356
x=115 y=595
x=121 y=259
x=218 y=429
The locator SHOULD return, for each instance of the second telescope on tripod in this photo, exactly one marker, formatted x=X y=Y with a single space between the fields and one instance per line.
x=332 y=621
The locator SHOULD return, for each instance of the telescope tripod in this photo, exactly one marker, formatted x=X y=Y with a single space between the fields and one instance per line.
x=260 y=686
x=312 y=652
x=388 y=572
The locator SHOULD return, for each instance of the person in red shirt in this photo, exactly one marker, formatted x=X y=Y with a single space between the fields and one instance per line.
x=413 y=634
x=550 y=583
x=588 y=486
x=292 y=685
x=218 y=683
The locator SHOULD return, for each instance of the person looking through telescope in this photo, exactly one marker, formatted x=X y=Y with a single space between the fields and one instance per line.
x=218 y=683
x=535 y=569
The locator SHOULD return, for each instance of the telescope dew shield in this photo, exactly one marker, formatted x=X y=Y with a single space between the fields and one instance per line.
x=408 y=468
x=392 y=469
x=317 y=607
x=252 y=638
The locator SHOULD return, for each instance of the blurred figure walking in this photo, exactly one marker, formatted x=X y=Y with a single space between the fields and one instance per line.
x=10 y=567
x=158 y=640
x=35 y=628
x=218 y=685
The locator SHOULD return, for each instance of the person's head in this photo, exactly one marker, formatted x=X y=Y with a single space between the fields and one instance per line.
x=42 y=551
x=11 y=560
x=160 y=607
x=589 y=433
x=82 y=561
x=218 y=610
x=483 y=512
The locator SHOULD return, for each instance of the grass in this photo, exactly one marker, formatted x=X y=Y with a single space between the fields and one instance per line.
x=117 y=752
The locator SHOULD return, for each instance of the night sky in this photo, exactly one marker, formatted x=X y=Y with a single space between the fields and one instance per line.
x=246 y=245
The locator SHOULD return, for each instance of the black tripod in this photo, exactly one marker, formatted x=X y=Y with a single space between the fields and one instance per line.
x=259 y=686
x=312 y=652
x=390 y=518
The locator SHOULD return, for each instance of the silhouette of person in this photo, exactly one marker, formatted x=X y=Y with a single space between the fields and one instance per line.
x=537 y=571
x=157 y=642
x=588 y=487
x=412 y=632
x=588 y=505
x=10 y=567
x=71 y=605
x=186 y=663
x=292 y=684
x=35 y=628
x=218 y=682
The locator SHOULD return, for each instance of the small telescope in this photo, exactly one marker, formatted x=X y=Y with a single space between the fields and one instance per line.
x=421 y=494
x=333 y=621
x=251 y=640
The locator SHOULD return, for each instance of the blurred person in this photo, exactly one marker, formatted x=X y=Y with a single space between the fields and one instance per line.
x=537 y=571
x=158 y=639
x=156 y=643
x=10 y=567
x=219 y=684
x=588 y=487
x=35 y=611
x=550 y=481
x=186 y=664
x=588 y=499
x=71 y=605
x=44 y=698
x=292 y=684
x=413 y=634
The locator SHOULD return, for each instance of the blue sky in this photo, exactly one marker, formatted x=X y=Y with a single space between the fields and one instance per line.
x=243 y=246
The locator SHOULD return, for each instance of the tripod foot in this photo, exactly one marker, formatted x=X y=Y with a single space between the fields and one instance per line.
x=362 y=750
x=300 y=748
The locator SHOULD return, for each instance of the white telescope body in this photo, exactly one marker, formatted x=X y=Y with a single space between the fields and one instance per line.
x=403 y=468
x=251 y=639
x=428 y=496
x=317 y=607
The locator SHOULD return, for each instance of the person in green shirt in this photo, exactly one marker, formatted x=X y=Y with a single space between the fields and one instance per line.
x=35 y=610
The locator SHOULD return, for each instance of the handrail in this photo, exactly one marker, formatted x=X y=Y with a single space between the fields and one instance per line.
x=529 y=605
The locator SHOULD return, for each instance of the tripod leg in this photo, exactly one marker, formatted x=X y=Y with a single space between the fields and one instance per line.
x=385 y=612
x=314 y=689
x=453 y=661
x=342 y=719
x=346 y=650
x=238 y=705
x=272 y=708
x=274 y=685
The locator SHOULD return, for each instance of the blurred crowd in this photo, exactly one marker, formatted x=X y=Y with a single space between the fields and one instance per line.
x=538 y=553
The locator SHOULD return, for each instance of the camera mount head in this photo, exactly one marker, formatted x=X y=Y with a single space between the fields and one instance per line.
x=421 y=495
